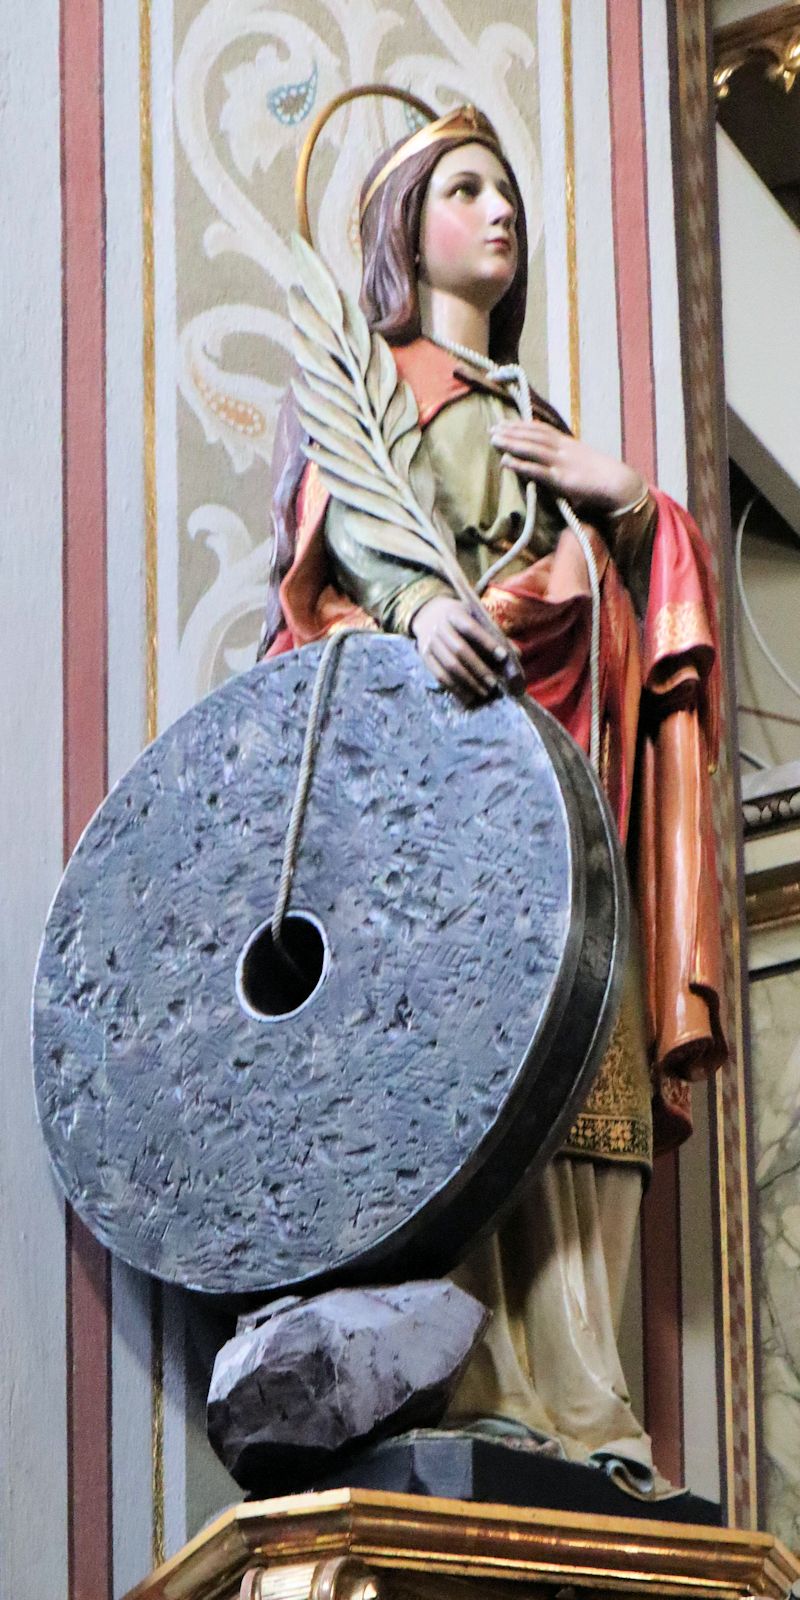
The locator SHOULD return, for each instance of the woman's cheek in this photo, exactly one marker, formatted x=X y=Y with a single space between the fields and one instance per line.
x=446 y=238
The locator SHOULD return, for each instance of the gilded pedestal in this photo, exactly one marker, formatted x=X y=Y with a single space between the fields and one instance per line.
x=350 y=1544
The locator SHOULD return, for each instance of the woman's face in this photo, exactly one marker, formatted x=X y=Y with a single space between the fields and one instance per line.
x=468 y=236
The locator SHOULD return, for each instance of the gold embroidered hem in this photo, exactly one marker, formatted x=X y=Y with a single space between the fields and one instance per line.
x=611 y=1139
x=616 y=1123
x=678 y=626
x=413 y=598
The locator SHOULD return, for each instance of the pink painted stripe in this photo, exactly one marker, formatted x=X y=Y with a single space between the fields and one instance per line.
x=84 y=415
x=88 y=1414
x=661 y=1269
x=631 y=249
x=88 y=1307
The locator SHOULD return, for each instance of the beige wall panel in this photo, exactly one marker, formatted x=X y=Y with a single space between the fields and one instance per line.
x=246 y=83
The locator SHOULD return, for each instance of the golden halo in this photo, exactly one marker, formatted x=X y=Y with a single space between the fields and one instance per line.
x=362 y=90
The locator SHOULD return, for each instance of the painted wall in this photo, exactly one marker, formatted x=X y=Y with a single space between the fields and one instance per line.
x=774 y=957
x=769 y=711
x=760 y=248
x=134 y=557
x=726 y=12
x=775 y=1007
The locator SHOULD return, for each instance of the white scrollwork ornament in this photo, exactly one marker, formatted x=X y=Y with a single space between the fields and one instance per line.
x=211 y=648
x=248 y=79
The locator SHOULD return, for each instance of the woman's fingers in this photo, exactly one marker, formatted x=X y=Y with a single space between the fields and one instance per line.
x=470 y=660
x=530 y=425
x=486 y=642
x=532 y=435
x=525 y=450
x=499 y=653
x=448 y=679
x=540 y=471
x=440 y=673
x=466 y=682
x=464 y=652
x=539 y=451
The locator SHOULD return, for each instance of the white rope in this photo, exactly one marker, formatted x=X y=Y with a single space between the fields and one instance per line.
x=303 y=784
x=517 y=547
x=516 y=377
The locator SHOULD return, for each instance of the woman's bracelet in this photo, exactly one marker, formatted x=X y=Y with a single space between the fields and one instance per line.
x=635 y=505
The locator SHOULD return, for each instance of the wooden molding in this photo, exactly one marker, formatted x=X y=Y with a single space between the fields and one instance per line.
x=774 y=34
x=293 y=1549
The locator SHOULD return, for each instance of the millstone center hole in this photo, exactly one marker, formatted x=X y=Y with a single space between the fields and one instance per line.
x=276 y=981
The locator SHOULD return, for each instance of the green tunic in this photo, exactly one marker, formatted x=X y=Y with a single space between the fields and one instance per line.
x=484 y=504
x=479 y=500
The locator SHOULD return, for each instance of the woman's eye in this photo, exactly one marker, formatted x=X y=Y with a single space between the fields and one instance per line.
x=469 y=189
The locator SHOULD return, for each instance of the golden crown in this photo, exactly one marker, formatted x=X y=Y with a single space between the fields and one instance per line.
x=463 y=122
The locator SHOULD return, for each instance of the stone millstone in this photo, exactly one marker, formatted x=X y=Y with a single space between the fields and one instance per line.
x=461 y=895
x=336 y=1372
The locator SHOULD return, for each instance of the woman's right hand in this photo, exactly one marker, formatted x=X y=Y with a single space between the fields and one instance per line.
x=460 y=650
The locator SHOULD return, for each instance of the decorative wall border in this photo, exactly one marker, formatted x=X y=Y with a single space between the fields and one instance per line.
x=88 y=1274
x=700 y=296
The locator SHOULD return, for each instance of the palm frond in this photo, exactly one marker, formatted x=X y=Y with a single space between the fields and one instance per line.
x=363 y=425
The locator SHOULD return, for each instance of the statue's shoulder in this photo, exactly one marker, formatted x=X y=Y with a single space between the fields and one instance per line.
x=437 y=378
x=432 y=375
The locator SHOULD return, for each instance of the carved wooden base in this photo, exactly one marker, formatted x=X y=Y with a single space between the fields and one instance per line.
x=359 y=1544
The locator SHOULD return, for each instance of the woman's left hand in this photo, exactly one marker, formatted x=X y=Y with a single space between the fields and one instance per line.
x=566 y=466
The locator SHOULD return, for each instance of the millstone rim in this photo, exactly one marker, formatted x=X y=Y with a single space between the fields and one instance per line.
x=166 y=762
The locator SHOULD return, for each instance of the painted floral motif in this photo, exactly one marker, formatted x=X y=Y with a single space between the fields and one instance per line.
x=247 y=81
x=292 y=102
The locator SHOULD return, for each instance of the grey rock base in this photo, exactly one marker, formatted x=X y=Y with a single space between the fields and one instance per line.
x=292 y=1397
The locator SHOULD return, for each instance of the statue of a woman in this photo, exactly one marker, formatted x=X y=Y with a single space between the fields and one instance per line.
x=444 y=281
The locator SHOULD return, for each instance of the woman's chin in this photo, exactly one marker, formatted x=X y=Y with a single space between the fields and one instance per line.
x=499 y=269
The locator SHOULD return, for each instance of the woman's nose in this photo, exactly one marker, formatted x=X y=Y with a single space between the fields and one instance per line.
x=501 y=210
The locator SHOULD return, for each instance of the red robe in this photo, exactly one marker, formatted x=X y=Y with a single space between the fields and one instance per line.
x=659 y=731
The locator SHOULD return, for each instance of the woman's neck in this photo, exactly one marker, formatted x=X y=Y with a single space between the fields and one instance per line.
x=447 y=317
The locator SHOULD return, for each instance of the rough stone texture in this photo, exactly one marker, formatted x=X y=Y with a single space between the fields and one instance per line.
x=466 y=874
x=333 y=1373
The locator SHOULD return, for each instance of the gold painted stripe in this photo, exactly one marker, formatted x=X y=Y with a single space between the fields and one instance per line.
x=572 y=243
x=149 y=371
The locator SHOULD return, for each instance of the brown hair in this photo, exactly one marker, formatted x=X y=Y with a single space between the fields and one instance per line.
x=390 y=241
